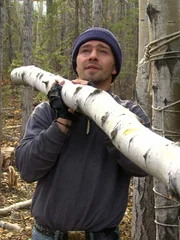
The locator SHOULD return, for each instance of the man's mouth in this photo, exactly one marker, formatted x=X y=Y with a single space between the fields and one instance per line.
x=92 y=67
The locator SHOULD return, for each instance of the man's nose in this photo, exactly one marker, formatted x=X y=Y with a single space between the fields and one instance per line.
x=93 y=54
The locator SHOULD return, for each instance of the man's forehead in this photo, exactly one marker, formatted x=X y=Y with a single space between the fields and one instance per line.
x=95 y=43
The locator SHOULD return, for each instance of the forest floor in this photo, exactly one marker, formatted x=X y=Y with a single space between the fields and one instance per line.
x=11 y=122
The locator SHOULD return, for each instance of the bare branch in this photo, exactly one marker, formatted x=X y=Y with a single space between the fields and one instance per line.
x=24 y=204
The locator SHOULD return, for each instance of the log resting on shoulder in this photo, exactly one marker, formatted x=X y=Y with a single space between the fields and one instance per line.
x=156 y=155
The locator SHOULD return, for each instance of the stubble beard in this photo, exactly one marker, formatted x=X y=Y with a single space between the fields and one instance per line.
x=95 y=79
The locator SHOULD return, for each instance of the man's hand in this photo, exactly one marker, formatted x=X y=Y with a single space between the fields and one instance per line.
x=57 y=103
x=83 y=82
x=79 y=81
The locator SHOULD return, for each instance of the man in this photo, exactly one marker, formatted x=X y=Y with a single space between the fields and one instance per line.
x=82 y=179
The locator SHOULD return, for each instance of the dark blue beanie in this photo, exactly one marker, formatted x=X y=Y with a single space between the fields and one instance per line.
x=103 y=35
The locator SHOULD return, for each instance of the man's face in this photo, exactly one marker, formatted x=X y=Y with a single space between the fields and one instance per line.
x=95 y=62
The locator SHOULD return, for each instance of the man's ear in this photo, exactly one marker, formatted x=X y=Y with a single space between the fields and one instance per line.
x=114 y=71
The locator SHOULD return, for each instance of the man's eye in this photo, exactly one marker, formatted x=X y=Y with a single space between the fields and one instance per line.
x=103 y=51
x=84 y=50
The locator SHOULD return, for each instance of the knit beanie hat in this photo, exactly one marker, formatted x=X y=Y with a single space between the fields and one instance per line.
x=103 y=35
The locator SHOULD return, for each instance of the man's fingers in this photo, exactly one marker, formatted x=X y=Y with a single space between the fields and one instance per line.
x=62 y=82
x=57 y=82
x=71 y=110
x=80 y=81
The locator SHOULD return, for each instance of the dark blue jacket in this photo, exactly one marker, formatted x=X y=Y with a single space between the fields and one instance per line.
x=83 y=179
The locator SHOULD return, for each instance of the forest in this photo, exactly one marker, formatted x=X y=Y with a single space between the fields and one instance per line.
x=42 y=33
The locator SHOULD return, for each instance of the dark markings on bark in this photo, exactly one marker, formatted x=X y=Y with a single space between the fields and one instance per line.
x=38 y=75
x=104 y=118
x=22 y=76
x=77 y=109
x=151 y=12
x=145 y=156
x=77 y=90
x=114 y=133
x=96 y=91
x=41 y=75
x=155 y=89
x=170 y=62
x=130 y=141
x=165 y=101
x=46 y=83
x=172 y=186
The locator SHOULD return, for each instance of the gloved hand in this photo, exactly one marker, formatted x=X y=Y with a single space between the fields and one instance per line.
x=57 y=103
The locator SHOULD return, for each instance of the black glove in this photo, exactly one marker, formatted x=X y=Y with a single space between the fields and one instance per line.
x=57 y=103
x=90 y=83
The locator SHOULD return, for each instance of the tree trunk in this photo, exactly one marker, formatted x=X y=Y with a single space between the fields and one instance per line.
x=27 y=92
x=116 y=86
x=86 y=13
x=38 y=24
x=143 y=226
x=50 y=40
x=9 y=31
x=164 y=54
x=1 y=73
x=76 y=18
x=97 y=13
x=49 y=6
x=142 y=146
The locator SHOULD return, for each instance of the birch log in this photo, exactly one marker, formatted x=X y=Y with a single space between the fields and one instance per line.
x=156 y=155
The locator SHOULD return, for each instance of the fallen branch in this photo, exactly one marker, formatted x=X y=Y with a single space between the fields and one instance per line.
x=11 y=127
x=10 y=226
x=34 y=77
x=156 y=155
x=15 y=206
x=8 y=108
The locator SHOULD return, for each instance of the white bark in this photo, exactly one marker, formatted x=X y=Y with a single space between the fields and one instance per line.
x=156 y=155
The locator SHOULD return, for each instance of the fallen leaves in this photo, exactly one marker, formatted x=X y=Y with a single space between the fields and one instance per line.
x=18 y=220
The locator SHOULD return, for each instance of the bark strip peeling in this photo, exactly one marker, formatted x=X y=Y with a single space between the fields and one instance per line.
x=158 y=156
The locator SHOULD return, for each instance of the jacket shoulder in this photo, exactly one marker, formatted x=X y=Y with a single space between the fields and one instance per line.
x=134 y=108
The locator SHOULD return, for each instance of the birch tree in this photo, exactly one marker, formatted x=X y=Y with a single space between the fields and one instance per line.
x=143 y=227
x=97 y=13
x=27 y=92
x=158 y=156
x=164 y=53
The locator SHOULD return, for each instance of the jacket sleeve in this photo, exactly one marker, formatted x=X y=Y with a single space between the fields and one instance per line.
x=128 y=166
x=41 y=145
